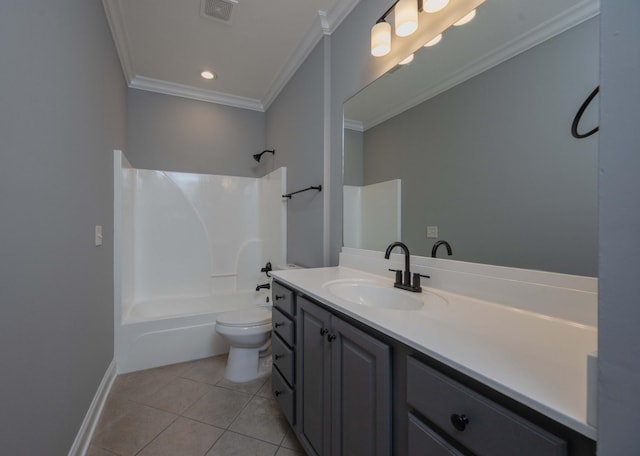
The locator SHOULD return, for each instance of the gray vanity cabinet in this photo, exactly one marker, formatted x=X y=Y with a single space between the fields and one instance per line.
x=283 y=350
x=470 y=419
x=345 y=395
x=344 y=386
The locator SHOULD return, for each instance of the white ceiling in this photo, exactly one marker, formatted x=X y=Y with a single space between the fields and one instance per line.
x=164 y=45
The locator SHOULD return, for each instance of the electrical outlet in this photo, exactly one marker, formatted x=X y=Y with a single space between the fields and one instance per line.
x=432 y=232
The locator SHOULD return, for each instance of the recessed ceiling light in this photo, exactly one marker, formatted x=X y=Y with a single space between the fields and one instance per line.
x=207 y=75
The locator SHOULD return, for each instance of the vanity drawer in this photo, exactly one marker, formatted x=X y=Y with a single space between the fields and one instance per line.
x=283 y=326
x=284 y=395
x=490 y=430
x=284 y=299
x=283 y=358
x=423 y=440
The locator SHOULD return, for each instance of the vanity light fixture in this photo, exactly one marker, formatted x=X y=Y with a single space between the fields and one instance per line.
x=405 y=17
x=406 y=61
x=433 y=6
x=207 y=75
x=381 y=39
x=433 y=41
x=466 y=19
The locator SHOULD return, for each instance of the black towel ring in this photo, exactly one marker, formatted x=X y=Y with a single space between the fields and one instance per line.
x=576 y=119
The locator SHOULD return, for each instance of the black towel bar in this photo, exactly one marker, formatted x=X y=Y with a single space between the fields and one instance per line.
x=317 y=187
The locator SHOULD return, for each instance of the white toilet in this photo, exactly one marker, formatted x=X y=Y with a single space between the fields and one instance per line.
x=249 y=335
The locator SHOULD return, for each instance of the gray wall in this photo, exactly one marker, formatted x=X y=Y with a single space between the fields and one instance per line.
x=179 y=134
x=295 y=128
x=62 y=112
x=353 y=164
x=618 y=309
x=492 y=163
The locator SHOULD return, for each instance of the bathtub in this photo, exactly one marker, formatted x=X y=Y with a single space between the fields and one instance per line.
x=171 y=330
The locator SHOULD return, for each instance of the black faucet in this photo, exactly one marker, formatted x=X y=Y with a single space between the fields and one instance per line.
x=406 y=283
x=434 y=250
x=264 y=285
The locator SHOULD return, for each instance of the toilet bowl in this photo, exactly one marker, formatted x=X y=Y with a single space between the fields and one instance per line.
x=249 y=335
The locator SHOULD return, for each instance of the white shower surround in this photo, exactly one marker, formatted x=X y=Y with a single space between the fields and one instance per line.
x=187 y=247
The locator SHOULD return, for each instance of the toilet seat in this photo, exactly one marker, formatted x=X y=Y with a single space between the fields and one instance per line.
x=245 y=318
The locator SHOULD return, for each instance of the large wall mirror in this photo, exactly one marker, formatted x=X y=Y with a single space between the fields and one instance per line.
x=471 y=143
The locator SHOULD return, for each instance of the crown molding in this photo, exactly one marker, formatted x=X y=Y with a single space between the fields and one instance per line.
x=336 y=13
x=356 y=125
x=120 y=37
x=325 y=24
x=194 y=93
x=574 y=16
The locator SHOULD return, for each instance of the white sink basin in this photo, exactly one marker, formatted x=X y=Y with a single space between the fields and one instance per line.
x=373 y=294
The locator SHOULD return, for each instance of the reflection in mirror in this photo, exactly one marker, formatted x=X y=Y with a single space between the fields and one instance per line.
x=489 y=163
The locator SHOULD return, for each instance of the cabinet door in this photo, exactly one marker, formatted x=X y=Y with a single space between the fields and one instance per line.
x=361 y=392
x=313 y=376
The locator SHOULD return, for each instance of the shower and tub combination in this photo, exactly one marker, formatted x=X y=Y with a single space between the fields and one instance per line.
x=187 y=248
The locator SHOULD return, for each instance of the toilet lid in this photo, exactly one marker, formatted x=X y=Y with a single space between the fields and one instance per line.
x=251 y=317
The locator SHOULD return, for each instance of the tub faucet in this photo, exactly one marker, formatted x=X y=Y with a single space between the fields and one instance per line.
x=406 y=283
x=264 y=285
x=434 y=250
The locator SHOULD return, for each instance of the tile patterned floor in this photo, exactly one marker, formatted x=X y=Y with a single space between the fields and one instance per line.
x=189 y=409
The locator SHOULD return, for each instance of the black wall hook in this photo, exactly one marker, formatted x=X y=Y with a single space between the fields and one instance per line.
x=576 y=119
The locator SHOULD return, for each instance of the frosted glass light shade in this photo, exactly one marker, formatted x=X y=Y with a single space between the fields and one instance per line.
x=433 y=41
x=380 y=39
x=433 y=6
x=406 y=61
x=466 y=19
x=406 y=17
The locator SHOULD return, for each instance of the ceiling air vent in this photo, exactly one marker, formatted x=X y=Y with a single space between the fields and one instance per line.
x=219 y=10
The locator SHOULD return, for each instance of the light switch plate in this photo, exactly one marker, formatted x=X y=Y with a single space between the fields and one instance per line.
x=98 y=234
x=432 y=232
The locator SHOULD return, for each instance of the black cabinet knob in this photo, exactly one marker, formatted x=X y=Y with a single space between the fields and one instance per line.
x=331 y=337
x=323 y=331
x=277 y=357
x=277 y=325
x=459 y=421
x=278 y=297
x=278 y=392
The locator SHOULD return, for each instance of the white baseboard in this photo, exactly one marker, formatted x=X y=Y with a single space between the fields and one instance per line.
x=85 y=434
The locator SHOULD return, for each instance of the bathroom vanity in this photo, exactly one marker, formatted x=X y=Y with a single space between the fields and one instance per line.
x=356 y=373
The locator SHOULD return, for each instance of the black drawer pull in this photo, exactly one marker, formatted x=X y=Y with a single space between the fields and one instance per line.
x=278 y=392
x=323 y=331
x=459 y=421
x=278 y=297
x=277 y=357
x=277 y=325
x=331 y=337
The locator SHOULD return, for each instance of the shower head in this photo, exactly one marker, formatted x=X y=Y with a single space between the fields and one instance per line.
x=257 y=157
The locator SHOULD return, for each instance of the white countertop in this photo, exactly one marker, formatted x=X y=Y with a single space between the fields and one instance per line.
x=538 y=360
